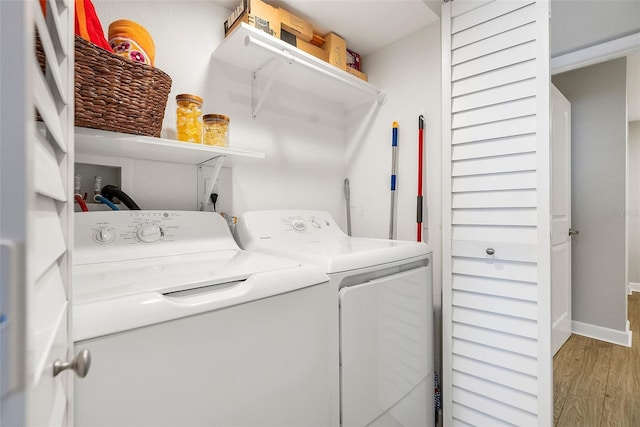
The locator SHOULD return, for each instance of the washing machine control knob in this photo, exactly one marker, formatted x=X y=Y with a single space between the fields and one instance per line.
x=315 y=223
x=149 y=233
x=104 y=235
x=298 y=224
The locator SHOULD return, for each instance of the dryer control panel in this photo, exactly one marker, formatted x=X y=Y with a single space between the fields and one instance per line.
x=307 y=223
x=287 y=226
x=113 y=235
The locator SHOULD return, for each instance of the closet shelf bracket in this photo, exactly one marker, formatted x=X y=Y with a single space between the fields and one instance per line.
x=257 y=99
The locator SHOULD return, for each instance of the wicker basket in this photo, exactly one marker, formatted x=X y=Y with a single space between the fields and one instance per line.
x=115 y=94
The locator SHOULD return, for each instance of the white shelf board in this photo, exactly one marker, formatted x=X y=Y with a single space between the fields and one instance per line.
x=105 y=143
x=304 y=71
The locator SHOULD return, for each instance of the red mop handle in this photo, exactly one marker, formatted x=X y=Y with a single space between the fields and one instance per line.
x=420 y=155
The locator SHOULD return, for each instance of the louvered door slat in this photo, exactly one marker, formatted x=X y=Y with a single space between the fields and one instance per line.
x=495 y=339
x=48 y=181
x=496 y=147
x=515 y=380
x=499 y=234
x=495 y=78
x=46 y=106
x=494 y=113
x=515 y=398
x=497 y=25
x=505 y=93
x=51 y=58
x=491 y=165
x=485 y=13
x=494 y=43
x=494 y=181
x=47 y=224
x=495 y=199
x=508 y=307
x=506 y=360
x=465 y=416
x=499 y=59
x=502 y=288
x=525 y=217
x=501 y=410
x=519 y=126
x=505 y=270
x=510 y=325
x=56 y=28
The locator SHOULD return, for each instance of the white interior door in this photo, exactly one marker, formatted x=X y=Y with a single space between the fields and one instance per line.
x=497 y=367
x=36 y=221
x=560 y=219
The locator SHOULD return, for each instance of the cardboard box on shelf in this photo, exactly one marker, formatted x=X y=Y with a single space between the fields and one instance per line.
x=256 y=13
x=286 y=36
x=358 y=74
x=314 y=50
x=295 y=25
x=336 y=46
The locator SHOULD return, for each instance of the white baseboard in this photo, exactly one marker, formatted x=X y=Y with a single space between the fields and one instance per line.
x=613 y=336
x=633 y=287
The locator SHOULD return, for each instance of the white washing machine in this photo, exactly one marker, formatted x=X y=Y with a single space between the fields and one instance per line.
x=187 y=329
x=385 y=311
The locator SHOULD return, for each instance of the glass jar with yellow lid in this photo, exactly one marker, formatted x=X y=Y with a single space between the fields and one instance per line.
x=189 y=118
x=216 y=130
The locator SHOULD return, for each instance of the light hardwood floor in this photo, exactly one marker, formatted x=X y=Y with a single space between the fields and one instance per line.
x=596 y=383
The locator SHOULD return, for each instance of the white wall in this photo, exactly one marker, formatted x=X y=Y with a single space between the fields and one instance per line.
x=633 y=208
x=311 y=145
x=304 y=138
x=577 y=24
x=304 y=147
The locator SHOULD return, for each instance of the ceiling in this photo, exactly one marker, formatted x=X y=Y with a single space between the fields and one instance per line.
x=366 y=25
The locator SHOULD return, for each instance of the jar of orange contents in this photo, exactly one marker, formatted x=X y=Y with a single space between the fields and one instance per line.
x=189 y=118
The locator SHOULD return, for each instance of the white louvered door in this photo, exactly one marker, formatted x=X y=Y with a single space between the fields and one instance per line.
x=496 y=242
x=36 y=221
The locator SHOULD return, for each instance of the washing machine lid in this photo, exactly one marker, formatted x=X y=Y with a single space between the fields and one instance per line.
x=314 y=237
x=166 y=275
x=129 y=284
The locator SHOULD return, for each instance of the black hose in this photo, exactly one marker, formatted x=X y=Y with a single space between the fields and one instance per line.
x=111 y=191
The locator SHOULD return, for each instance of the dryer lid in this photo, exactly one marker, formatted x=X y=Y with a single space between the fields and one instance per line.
x=314 y=237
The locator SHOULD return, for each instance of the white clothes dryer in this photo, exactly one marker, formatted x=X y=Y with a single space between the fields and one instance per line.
x=187 y=329
x=385 y=311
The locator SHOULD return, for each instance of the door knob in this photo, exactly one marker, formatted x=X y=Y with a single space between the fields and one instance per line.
x=80 y=364
x=573 y=232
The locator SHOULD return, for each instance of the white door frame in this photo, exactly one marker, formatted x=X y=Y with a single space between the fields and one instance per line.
x=602 y=52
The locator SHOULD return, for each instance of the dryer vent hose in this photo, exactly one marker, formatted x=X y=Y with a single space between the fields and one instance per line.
x=111 y=191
